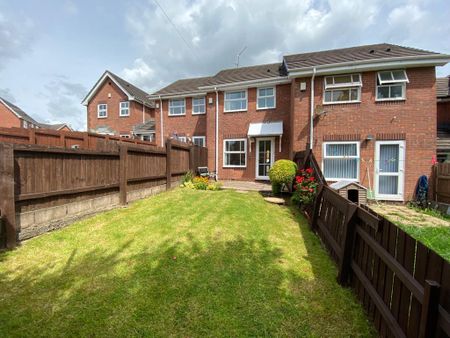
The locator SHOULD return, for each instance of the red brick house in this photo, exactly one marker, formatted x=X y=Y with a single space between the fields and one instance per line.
x=443 y=118
x=368 y=113
x=116 y=107
x=11 y=116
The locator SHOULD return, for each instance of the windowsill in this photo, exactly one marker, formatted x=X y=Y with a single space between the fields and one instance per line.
x=390 y=100
x=124 y=115
x=268 y=108
x=176 y=115
x=341 y=179
x=198 y=113
x=234 y=166
x=235 y=111
x=340 y=102
x=102 y=117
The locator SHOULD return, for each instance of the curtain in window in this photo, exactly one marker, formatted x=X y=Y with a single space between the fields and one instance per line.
x=341 y=161
x=389 y=163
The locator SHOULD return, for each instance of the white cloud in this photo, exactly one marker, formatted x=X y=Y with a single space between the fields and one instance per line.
x=6 y=94
x=139 y=74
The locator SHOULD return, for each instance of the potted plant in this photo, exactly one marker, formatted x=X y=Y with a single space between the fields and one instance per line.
x=282 y=173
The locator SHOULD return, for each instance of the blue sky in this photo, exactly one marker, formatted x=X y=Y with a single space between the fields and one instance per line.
x=52 y=52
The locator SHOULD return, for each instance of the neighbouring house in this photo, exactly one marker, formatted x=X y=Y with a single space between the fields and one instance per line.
x=116 y=107
x=11 y=116
x=368 y=113
x=443 y=118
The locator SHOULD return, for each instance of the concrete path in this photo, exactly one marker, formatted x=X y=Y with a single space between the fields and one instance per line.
x=247 y=185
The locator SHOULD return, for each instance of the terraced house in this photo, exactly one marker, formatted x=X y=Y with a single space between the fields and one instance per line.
x=368 y=113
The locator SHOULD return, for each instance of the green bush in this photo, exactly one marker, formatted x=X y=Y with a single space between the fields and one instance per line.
x=188 y=177
x=282 y=172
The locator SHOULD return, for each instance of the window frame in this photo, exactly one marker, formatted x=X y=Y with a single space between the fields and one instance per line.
x=125 y=136
x=274 y=97
x=204 y=105
x=390 y=83
x=184 y=107
x=98 y=111
x=200 y=138
x=357 y=157
x=342 y=86
x=234 y=91
x=224 y=152
x=182 y=138
x=120 y=109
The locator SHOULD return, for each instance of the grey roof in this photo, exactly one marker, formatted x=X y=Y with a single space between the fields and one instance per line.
x=443 y=87
x=19 y=112
x=130 y=89
x=360 y=53
x=241 y=74
x=147 y=126
x=344 y=183
x=55 y=126
x=184 y=86
x=134 y=91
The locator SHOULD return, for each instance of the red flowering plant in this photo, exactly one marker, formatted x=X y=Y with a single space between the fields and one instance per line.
x=305 y=187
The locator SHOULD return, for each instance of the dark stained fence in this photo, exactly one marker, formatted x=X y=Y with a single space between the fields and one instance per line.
x=66 y=139
x=440 y=183
x=35 y=177
x=403 y=286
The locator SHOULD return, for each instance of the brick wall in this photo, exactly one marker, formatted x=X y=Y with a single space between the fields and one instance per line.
x=120 y=124
x=414 y=118
x=7 y=118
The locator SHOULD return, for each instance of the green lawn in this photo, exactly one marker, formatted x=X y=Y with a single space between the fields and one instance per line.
x=184 y=263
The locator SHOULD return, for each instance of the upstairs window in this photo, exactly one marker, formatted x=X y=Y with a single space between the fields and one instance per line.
x=124 y=108
x=199 y=140
x=198 y=105
x=342 y=88
x=177 y=107
x=341 y=160
x=102 y=110
x=236 y=101
x=391 y=85
x=266 y=98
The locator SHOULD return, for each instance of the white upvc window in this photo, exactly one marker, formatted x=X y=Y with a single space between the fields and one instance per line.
x=341 y=161
x=198 y=105
x=177 y=107
x=125 y=135
x=342 y=88
x=102 y=110
x=235 y=153
x=235 y=101
x=199 y=141
x=124 y=108
x=25 y=124
x=182 y=139
x=391 y=85
x=266 y=98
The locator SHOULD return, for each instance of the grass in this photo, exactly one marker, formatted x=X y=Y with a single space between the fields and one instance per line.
x=183 y=263
x=426 y=225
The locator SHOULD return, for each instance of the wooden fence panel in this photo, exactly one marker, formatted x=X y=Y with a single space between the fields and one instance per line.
x=441 y=182
x=403 y=286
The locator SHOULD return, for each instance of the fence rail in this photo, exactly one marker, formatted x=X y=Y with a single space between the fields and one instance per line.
x=66 y=139
x=403 y=286
x=36 y=177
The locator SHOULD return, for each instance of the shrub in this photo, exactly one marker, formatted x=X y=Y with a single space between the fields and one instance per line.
x=188 y=177
x=305 y=187
x=214 y=186
x=200 y=183
x=282 y=172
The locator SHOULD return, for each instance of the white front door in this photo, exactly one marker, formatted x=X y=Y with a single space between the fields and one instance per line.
x=265 y=157
x=389 y=170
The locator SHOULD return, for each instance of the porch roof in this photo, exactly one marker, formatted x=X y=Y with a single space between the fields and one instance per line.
x=265 y=129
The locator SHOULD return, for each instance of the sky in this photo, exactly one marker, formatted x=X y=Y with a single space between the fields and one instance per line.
x=53 y=52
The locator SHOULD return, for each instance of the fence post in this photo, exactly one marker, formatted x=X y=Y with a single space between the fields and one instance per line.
x=32 y=136
x=430 y=306
x=123 y=164
x=191 y=158
x=168 y=164
x=7 y=200
x=317 y=204
x=347 y=246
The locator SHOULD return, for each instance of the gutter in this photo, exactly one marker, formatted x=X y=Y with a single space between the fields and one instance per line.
x=162 y=121
x=217 y=135
x=311 y=126
x=249 y=83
